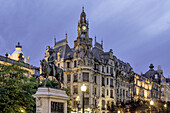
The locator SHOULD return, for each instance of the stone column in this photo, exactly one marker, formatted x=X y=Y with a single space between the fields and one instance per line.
x=48 y=99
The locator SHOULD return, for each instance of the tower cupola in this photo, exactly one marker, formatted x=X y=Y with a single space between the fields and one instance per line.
x=83 y=25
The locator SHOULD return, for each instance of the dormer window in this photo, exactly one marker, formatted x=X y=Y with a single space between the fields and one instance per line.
x=156 y=76
x=68 y=64
x=75 y=63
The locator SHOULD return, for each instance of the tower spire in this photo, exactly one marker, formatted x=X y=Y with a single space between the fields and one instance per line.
x=95 y=39
x=18 y=46
x=102 y=43
x=83 y=9
x=54 y=40
x=66 y=37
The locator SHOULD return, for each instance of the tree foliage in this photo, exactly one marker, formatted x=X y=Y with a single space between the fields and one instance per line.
x=16 y=89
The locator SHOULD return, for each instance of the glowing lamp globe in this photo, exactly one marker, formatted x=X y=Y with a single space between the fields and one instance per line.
x=151 y=102
x=78 y=98
x=83 y=88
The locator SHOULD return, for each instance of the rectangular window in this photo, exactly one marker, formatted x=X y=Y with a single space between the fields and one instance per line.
x=68 y=64
x=95 y=81
x=68 y=78
x=75 y=77
x=102 y=69
x=103 y=82
x=107 y=81
x=111 y=93
x=111 y=82
x=86 y=101
x=107 y=70
x=103 y=92
x=111 y=71
x=75 y=63
x=85 y=76
x=75 y=89
x=95 y=90
x=103 y=104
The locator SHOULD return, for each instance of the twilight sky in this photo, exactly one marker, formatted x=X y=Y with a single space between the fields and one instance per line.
x=138 y=31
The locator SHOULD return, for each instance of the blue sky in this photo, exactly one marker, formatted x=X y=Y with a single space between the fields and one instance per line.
x=138 y=31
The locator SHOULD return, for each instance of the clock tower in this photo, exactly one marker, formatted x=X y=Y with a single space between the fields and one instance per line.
x=83 y=42
x=83 y=24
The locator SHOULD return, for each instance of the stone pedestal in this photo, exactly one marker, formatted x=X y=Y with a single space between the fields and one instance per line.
x=50 y=100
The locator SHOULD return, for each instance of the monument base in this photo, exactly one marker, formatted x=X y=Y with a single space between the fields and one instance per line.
x=50 y=100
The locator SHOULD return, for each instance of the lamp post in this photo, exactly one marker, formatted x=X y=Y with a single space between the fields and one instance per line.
x=78 y=102
x=83 y=89
x=151 y=103
x=165 y=105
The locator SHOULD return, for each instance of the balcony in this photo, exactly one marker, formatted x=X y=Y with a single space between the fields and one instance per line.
x=85 y=80
x=68 y=69
x=111 y=86
x=103 y=108
x=75 y=80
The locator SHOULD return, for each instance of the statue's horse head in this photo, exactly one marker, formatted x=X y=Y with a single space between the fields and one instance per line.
x=44 y=67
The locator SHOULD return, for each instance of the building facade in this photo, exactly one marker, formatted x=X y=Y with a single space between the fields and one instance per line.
x=17 y=57
x=100 y=71
x=110 y=82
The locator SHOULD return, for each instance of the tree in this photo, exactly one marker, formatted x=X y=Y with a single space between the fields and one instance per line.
x=16 y=90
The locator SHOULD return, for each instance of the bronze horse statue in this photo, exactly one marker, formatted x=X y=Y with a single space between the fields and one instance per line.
x=49 y=69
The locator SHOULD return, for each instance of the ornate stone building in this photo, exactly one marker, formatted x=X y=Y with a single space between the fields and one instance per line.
x=100 y=71
x=148 y=86
x=110 y=82
x=17 y=57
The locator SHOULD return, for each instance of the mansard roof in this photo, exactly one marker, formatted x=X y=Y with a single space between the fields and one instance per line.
x=61 y=41
x=124 y=66
x=65 y=51
x=151 y=72
x=97 y=53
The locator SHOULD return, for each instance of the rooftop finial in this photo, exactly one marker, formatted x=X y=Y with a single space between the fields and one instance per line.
x=19 y=46
x=102 y=43
x=66 y=37
x=95 y=38
x=54 y=40
x=151 y=66
x=83 y=9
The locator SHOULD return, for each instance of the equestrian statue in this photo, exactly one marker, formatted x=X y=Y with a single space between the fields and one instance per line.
x=49 y=69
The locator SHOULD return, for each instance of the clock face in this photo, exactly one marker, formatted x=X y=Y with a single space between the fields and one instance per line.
x=84 y=27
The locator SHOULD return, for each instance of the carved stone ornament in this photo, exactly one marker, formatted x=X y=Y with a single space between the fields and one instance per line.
x=38 y=101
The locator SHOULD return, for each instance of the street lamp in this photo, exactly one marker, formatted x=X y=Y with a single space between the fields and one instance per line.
x=88 y=109
x=151 y=103
x=83 y=89
x=165 y=106
x=78 y=102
